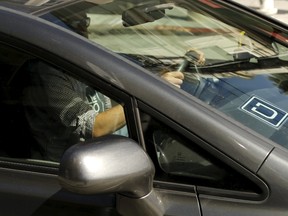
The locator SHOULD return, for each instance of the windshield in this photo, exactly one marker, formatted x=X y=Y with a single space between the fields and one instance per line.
x=232 y=61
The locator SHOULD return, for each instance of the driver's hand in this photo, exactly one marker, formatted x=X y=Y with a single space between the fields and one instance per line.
x=174 y=77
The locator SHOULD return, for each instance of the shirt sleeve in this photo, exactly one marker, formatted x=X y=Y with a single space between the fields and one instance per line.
x=66 y=100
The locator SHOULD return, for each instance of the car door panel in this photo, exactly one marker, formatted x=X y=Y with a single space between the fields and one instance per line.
x=169 y=202
x=217 y=206
x=275 y=163
x=26 y=193
x=180 y=203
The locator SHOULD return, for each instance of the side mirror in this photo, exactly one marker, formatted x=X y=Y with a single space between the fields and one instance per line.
x=144 y=13
x=109 y=164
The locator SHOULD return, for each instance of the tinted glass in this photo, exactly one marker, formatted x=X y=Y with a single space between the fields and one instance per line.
x=232 y=61
x=45 y=111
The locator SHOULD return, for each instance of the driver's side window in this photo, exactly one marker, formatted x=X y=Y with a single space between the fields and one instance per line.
x=45 y=110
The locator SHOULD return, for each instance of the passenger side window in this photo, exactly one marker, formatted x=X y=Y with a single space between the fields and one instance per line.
x=185 y=161
x=46 y=110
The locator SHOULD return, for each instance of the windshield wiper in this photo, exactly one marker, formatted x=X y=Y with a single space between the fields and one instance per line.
x=218 y=66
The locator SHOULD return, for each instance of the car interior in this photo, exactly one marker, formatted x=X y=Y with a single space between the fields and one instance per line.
x=16 y=129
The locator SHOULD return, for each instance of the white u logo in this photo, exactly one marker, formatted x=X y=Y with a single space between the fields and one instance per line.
x=258 y=105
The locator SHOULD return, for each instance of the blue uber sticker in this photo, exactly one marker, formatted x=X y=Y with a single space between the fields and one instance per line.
x=265 y=111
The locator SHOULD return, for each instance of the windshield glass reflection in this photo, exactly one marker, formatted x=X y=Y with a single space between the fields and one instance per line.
x=234 y=63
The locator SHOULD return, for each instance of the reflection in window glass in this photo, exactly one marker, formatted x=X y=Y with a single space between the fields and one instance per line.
x=235 y=63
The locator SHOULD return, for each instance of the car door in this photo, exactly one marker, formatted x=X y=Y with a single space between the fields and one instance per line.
x=33 y=183
x=30 y=186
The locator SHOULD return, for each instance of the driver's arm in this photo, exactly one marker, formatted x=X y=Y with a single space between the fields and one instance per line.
x=113 y=119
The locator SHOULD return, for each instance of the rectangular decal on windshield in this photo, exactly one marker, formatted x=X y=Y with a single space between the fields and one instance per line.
x=265 y=111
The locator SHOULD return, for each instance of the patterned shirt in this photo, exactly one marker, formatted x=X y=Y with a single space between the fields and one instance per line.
x=61 y=110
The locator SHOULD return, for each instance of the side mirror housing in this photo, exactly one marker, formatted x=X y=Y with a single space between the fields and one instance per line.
x=109 y=164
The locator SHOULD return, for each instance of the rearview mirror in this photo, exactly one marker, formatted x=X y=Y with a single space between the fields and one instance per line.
x=144 y=13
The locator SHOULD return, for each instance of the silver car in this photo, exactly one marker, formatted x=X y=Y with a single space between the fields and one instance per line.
x=216 y=146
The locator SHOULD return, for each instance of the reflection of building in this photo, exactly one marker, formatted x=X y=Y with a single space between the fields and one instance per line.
x=267 y=7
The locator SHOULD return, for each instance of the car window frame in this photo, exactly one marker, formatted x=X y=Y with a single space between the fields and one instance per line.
x=92 y=80
x=221 y=156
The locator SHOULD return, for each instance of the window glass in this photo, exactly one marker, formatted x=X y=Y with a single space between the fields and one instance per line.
x=182 y=160
x=231 y=61
x=45 y=110
x=15 y=135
